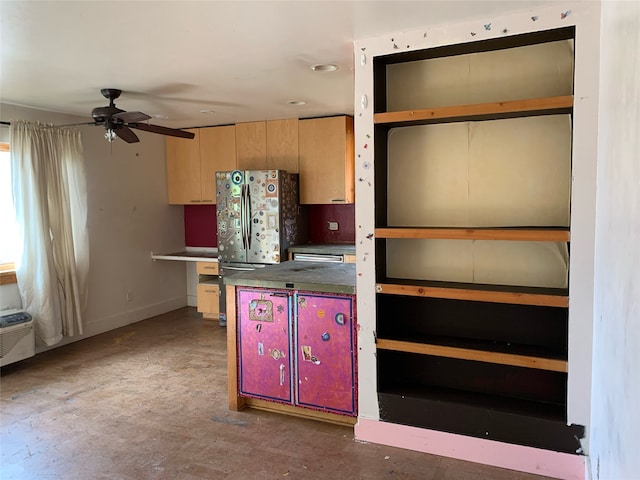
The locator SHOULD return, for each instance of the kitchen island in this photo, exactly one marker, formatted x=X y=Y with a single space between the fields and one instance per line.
x=291 y=340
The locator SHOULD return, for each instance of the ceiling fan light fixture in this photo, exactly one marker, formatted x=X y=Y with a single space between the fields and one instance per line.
x=110 y=135
x=324 y=67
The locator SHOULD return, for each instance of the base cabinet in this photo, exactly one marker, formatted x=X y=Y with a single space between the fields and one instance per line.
x=208 y=291
x=297 y=348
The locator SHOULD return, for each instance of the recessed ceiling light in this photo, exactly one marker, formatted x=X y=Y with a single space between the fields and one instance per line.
x=297 y=102
x=324 y=67
x=207 y=112
x=159 y=115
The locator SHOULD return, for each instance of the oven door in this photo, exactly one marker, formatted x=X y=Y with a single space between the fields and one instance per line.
x=318 y=257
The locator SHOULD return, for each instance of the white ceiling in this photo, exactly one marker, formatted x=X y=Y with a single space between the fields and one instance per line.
x=243 y=59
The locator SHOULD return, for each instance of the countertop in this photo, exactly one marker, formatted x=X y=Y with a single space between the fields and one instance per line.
x=296 y=275
x=328 y=249
x=189 y=255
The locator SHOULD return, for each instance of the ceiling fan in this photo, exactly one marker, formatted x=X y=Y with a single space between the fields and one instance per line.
x=118 y=123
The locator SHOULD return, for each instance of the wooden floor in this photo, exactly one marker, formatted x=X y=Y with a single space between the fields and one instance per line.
x=148 y=401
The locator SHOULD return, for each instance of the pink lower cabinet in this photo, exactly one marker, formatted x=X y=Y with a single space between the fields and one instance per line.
x=297 y=348
x=325 y=360
x=264 y=344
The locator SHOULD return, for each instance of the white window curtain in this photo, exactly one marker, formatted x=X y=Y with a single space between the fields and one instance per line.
x=49 y=191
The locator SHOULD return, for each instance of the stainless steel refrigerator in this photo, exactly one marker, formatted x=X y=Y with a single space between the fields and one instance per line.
x=258 y=218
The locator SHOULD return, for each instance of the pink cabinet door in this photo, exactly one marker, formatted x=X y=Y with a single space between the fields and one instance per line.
x=324 y=342
x=264 y=344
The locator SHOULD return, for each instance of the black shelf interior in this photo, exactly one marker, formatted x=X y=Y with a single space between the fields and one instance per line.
x=487 y=417
x=412 y=372
x=496 y=327
x=509 y=404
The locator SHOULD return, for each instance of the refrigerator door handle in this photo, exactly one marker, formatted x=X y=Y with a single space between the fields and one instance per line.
x=243 y=219
x=249 y=225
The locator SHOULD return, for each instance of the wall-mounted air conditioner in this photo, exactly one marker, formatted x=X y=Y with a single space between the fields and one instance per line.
x=17 y=340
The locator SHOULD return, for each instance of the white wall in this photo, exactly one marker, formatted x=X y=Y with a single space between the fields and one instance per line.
x=128 y=218
x=586 y=18
x=615 y=421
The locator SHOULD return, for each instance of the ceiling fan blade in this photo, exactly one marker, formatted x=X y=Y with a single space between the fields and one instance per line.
x=130 y=117
x=172 y=132
x=126 y=134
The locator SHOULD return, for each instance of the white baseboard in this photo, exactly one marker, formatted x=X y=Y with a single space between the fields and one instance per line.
x=122 y=319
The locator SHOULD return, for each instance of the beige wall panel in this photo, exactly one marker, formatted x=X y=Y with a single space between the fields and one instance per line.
x=428 y=176
x=520 y=172
x=499 y=173
x=534 y=264
x=534 y=71
x=443 y=260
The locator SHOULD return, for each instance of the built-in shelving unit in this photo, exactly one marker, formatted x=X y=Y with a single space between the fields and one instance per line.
x=472 y=265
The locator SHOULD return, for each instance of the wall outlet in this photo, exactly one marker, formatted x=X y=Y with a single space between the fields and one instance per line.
x=333 y=225
x=130 y=296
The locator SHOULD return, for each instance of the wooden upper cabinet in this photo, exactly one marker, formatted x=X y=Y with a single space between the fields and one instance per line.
x=282 y=145
x=183 y=169
x=192 y=164
x=326 y=160
x=269 y=145
x=217 y=154
x=251 y=145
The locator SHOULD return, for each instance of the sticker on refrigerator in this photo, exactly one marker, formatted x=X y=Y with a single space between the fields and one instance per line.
x=237 y=177
x=271 y=187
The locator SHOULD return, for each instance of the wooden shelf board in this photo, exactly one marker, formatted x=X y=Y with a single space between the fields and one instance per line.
x=475 y=355
x=476 y=111
x=516 y=234
x=477 y=295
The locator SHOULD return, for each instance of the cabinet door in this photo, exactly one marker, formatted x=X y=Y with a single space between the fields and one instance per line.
x=217 y=154
x=209 y=298
x=326 y=160
x=183 y=169
x=251 y=145
x=282 y=145
x=324 y=342
x=264 y=344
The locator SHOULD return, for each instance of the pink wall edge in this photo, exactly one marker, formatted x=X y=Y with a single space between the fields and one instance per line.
x=515 y=457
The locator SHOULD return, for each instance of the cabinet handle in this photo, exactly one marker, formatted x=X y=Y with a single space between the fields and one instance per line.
x=337 y=199
x=195 y=201
x=207 y=201
x=210 y=291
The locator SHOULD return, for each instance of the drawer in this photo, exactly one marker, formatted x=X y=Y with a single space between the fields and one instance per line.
x=208 y=298
x=207 y=268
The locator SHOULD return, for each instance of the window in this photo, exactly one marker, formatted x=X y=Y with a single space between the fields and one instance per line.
x=9 y=246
